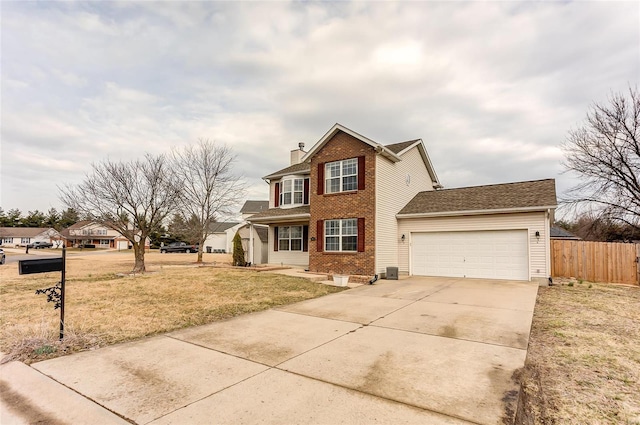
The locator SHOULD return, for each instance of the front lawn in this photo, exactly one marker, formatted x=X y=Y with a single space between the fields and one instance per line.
x=583 y=364
x=105 y=307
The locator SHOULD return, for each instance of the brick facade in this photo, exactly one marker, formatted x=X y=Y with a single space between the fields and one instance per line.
x=356 y=204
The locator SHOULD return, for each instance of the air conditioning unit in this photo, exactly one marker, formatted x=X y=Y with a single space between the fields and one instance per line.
x=392 y=273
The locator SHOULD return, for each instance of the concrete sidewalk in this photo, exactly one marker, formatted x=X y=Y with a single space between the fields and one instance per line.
x=420 y=350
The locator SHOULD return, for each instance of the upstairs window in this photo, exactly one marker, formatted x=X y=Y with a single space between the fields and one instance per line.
x=341 y=176
x=292 y=191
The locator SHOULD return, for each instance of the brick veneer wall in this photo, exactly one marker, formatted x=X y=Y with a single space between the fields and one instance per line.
x=357 y=204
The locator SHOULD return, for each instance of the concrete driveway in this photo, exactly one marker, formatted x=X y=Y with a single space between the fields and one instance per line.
x=418 y=350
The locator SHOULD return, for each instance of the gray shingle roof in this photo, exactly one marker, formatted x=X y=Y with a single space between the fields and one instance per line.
x=280 y=212
x=263 y=233
x=531 y=194
x=251 y=207
x=560 y=233
x=219 y=227
x=399 y=147
x=24 y=232
x=302 y=168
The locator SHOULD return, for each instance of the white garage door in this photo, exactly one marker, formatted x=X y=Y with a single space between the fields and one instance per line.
x=500 y=254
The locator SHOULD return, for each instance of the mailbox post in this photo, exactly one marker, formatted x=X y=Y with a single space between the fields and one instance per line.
x=55 y=293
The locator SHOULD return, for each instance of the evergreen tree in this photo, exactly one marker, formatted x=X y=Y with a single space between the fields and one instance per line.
x=238 y=251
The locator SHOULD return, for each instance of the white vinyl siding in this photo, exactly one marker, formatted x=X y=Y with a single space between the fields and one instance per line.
x=539 y=266
x=288 y=258
x=392 y=194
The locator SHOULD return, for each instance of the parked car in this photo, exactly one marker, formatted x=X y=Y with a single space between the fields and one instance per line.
x=178 y=247
x=2 y=257
x=40 y=245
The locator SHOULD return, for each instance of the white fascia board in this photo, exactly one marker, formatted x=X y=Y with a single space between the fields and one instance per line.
x=476 y=212
x=280 y=218
x=338 y=127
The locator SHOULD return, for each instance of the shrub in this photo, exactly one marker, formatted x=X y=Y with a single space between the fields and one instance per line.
x=238 y=251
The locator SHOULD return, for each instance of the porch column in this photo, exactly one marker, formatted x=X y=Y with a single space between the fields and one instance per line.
x=251 y=243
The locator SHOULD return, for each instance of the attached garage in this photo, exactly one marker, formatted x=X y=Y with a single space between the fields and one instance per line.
x=496 y=254
x=492 y=232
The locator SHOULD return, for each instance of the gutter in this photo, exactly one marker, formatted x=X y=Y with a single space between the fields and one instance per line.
x=476 y=212
x=279 y=217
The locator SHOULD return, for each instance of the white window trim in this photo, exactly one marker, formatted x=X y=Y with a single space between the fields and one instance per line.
x=341 y=177
x=340 y=235
x=289 y=238
x=293 y=192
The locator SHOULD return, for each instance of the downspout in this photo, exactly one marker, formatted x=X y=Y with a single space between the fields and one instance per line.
x=547 y=242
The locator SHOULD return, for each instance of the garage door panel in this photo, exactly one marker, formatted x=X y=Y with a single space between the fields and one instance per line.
x=500 y=254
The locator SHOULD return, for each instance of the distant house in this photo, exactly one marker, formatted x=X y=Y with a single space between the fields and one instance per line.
x=253 y=207
x=258 y=240
x=221 y=235
x=21 y=236
x=559 y=233
x=88 y=232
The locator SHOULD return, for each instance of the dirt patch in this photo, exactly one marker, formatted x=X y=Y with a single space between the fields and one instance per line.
x=583 y=363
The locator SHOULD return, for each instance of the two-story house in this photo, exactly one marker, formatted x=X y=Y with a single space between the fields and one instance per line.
x=353 y=206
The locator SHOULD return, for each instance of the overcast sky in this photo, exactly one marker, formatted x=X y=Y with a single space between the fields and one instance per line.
x=491 y=88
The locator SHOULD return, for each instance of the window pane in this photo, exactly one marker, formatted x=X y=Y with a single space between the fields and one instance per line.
x=333 y=169
x=349 y=183
x=349 y=243
x=332 y=227
x=332 y=243
x=287 y=185
x=283 y=245
x=297 y=197
x=350 y=227
x=333 y=185
x=287 y=198
x=283 y=232
x=296 y=232
x=297 y=185
x=296 y=244
x=350 y=166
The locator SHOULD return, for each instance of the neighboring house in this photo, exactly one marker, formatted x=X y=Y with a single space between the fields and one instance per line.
x=253 y=207
x=562 y=234
x=88 y=232
x=21 y=236
x=259 y=237
x=353 y=206
x=221 y=235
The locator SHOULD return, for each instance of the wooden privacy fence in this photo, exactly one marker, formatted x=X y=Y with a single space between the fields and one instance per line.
x=596 y=261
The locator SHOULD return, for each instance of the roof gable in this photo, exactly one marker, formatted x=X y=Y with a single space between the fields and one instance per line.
x=337 y=128
x=530 y=195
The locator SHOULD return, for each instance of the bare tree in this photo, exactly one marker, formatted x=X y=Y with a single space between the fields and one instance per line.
x=210 y=189
x=133 y=198
x=605 y=152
